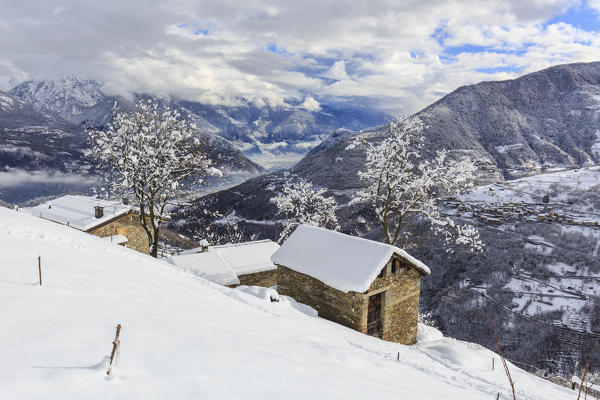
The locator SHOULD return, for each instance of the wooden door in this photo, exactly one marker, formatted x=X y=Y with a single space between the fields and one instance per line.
x=374 y=327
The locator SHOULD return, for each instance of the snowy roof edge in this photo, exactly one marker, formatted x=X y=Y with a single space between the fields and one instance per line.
x=60 y=215
x=232 y=279
x=222 y=246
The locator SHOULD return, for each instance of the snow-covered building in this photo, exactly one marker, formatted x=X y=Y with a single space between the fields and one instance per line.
x=369 y=286
x=232 y=264
x=105 y=218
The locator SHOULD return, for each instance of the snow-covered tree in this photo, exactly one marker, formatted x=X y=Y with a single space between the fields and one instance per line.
x=224 y=229
x=300 y=203
x=401 y=183
x=146 y=156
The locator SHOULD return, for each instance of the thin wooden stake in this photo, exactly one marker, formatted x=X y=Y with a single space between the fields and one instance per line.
x=398 y=357
x=40 y=268
x=116 y=345
x=501 y=354
x=585 y=371
x=493 y=363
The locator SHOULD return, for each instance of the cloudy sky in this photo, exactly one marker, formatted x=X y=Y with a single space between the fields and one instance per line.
x=397 y=55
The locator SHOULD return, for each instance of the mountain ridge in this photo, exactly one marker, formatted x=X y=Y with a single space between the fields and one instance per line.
x=265 y=133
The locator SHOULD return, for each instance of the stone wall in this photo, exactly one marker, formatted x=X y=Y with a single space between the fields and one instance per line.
x=400 y=307
x=128 y=226
x=264 y=278
x=332 y=304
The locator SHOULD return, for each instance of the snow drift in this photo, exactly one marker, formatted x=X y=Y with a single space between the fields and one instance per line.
x=186 y=338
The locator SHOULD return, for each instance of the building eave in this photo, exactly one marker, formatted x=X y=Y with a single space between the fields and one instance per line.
x=110 y=221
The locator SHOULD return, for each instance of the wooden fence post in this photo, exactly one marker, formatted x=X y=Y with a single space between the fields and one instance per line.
x=116 y=345
x=40 y=268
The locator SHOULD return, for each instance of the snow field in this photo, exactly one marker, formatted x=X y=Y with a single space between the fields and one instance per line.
x=530 y=189
x=186 y=338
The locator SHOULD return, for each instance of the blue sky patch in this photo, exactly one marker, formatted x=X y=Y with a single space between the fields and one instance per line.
x=580 y=16
x=469 y=48
x=495 y=70
x=273 y=48
x=203 y=32
x=197 y=29
x=441 y=34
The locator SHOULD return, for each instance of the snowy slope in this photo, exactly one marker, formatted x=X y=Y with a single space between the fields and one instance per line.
x=186 y=338
x=531 y=189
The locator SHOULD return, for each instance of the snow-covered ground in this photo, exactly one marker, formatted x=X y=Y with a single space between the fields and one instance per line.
x=185 y=338
x=531 y=189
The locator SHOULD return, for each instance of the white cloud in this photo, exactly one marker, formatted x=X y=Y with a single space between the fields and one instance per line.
x=338 y=71
x=310 y=104
x=20 y=177
x=595 y=4
x=390 y=51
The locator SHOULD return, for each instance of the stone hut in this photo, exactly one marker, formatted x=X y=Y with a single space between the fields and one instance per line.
x=368 y=286
x=232 y=264
x=112 y=220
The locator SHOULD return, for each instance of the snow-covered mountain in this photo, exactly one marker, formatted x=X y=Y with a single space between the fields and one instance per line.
x=67 y=96
x=42 y=154
x=543 y=121
x=277 y=136
x=271 y=135
x=31 y=139
x=186 y=338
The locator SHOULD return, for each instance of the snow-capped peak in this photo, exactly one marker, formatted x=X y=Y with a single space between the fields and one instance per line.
x=66 y=95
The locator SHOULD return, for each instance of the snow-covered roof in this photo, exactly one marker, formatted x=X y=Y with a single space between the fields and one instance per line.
x=78 y=211
x=249 y=257
x=118 y=239
x=210 y=266
x=344 y=262
x=243 y=258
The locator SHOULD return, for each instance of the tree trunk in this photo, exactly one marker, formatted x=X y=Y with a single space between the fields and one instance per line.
x=154 y=247
x=154 y=250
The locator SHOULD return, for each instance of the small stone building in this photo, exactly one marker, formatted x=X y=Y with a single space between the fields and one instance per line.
x=232 y=264
x=112 y=220
x=368 y=286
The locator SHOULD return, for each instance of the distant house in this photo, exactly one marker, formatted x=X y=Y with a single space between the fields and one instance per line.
x=369 y=286
x=110 y=219
x=232 y=264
